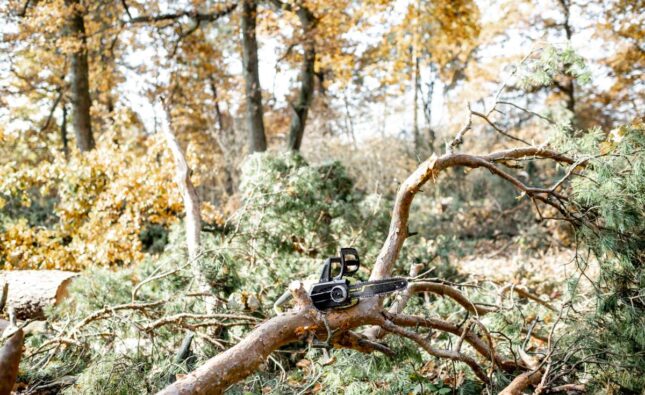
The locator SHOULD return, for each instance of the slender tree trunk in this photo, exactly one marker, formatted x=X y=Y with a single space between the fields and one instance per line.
x=63 y=132
x=229 y=182
x=427 y=110
x=416 y=78
x=254 y=111
x=80 y=86
x=301 y=108
x=193 y=219
x=415 y=112
x=567 y=86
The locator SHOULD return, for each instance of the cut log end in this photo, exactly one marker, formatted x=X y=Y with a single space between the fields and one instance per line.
x=30 y=291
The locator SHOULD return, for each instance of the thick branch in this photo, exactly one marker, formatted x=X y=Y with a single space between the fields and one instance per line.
x=430 y=169
x=521 y=382
x=454 y=294
x=244 y=358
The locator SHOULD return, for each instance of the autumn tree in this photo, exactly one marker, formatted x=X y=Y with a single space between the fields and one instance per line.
x=61 y=34
x=570 y=24
x=432 y=42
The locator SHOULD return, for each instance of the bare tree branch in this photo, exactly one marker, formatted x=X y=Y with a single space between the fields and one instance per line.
x=475 y=341
x=425 y=344
x=521 y=382
x=453 y=293
x=196 y=16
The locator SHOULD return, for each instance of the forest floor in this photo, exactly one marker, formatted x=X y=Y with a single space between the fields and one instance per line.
x=516 y=265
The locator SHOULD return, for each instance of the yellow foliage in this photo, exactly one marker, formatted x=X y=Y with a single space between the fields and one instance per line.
x=103 y=200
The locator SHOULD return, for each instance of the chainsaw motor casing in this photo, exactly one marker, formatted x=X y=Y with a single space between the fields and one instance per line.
x=330 y=294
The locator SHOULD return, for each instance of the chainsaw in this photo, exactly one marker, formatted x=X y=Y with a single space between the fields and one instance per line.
x=334 y=290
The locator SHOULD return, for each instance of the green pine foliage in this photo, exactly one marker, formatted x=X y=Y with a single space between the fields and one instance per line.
x=612 y=196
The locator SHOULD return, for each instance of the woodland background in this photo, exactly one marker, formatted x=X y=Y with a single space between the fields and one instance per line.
x=299 y=120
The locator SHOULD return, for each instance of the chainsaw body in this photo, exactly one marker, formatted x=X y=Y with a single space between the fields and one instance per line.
x=335 y=291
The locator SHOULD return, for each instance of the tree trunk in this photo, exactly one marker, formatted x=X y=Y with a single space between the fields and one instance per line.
x=229 y=184
x=79 y=84
x=301 y=108
x=254 y=111
x=415 y=112
x=193 y=219
x=63 y=132
x=567 y=86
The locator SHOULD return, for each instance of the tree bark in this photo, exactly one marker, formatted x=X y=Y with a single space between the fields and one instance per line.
x=254 y=110
x=79 y=84
x=10 y=354
x=567 y=86
x=305 y=95
x=244 y=358
x=521 y=382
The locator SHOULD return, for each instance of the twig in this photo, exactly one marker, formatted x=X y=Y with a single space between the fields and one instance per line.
x=498 y=129
x=526 y=294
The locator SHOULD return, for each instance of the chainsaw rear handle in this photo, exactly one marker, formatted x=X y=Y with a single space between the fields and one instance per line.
x=348 y=262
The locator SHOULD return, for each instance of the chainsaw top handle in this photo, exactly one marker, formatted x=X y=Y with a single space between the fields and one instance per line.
x=348 y=263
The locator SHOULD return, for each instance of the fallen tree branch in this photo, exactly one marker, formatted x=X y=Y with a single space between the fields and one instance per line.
x=431 y=168
x=567 y=388
x=361 y=343
x=111 y=309
x=178 y=318
x=521 y=382
x=10 y=355
x=525 y=294
x=244 y=358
